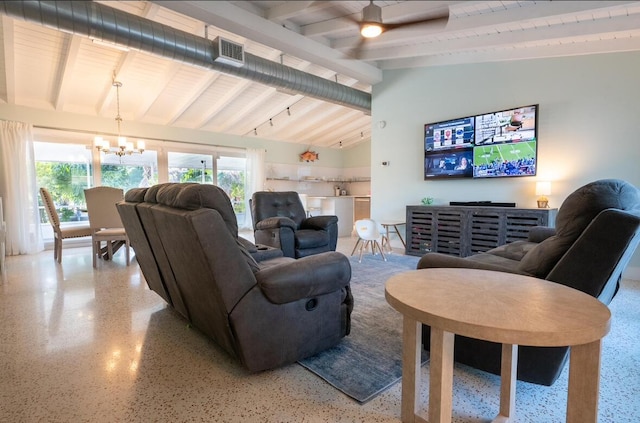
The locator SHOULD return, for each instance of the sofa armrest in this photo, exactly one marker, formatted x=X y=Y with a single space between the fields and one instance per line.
x=438 y=260
x=318 y=222
x=540 y=233
x=275 y=223
x=305 y=278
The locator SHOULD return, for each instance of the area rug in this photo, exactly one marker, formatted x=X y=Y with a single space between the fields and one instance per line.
x=369 y=360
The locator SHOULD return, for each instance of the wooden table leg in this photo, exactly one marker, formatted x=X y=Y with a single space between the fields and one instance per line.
x=508 y=377
x=440 y=376
x=388 y=240
x=400 y=236
x=411 y=360
x=584 y=383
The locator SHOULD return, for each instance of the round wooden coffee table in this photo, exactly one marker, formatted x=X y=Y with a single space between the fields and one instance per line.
x=500 y=307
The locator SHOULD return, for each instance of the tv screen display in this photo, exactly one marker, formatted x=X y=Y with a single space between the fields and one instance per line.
x=450 y=134
x=452 y=163
x=488 y=145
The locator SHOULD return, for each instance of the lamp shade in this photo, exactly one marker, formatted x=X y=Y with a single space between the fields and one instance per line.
x=543 y=188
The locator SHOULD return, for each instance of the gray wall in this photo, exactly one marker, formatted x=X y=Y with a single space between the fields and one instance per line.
x=588 y=127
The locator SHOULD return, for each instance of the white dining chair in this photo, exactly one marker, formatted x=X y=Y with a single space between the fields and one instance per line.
x=105 y=221
x=368 y=234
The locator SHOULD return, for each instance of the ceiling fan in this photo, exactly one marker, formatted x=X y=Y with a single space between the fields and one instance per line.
x=372 y=25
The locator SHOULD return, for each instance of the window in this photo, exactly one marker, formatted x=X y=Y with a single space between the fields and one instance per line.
x=189 y=167
x=67 y=164
x=229 y=173
x=65 y=170
x=129 y=171
x=231 y=178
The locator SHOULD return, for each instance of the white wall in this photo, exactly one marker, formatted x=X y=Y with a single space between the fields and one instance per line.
x=588 y=127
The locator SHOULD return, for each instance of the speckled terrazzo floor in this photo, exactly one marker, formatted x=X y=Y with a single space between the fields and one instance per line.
x=85 y=345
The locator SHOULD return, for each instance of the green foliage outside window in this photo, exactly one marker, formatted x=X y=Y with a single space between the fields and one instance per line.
x=195 y=175
x=232 y=182
x=66 y=183
x=127 y=177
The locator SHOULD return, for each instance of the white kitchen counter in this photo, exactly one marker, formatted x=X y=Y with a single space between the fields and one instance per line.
x=341 y=206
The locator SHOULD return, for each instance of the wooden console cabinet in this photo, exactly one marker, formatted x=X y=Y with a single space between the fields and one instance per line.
x=463 y=231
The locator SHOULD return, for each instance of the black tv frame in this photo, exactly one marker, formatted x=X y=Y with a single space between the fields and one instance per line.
x=506 y=139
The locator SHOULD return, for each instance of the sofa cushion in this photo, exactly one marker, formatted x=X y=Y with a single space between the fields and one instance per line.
x=513 y=251
x=576 y=212
x=135 y=195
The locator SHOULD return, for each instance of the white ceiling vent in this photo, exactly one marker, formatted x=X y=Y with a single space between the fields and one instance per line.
x=229 y=52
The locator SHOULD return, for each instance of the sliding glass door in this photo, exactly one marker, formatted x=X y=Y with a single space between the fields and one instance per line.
x=231 y=176
x=190 y=167
x=67 y=164
x=224 y=169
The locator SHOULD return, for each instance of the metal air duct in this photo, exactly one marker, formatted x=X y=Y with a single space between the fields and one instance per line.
x=97 y=21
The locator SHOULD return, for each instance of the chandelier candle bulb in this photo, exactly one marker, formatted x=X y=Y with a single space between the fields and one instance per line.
x=141 y=145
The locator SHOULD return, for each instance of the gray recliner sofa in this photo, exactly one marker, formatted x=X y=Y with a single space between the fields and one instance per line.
x=597 y=231
x=265 y=309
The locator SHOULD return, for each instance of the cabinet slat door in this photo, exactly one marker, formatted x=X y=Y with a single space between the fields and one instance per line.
x=448 y=234
x=420 y=231
x=484 y=231
x=518 y=223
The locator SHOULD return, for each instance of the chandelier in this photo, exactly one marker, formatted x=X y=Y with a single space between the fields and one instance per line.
x=124 y=147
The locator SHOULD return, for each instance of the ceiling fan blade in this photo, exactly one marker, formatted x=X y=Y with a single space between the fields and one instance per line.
x=356 y=52
x=439 y=18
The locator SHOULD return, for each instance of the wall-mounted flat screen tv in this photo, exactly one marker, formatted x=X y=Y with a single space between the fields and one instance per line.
x=488 y=145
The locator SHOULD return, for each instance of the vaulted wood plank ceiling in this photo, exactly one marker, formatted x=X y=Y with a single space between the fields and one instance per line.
x=48 y=69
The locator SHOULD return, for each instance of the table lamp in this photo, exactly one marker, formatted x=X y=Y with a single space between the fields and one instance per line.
x=543 y=188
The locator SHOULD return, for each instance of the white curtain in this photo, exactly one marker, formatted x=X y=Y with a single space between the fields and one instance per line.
x=255 y=181
x=18 y=189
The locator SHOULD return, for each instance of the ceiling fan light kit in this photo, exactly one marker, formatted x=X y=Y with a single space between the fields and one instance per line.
x=371 y=21
x=370 y=30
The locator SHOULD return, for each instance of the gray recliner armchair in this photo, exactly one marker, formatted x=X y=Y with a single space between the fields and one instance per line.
x=280 y=221
x=597 y=231
x=265 y=309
